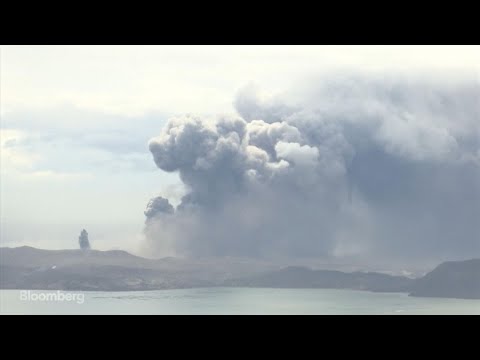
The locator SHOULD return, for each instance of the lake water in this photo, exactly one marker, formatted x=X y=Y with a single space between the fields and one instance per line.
x=229 y=301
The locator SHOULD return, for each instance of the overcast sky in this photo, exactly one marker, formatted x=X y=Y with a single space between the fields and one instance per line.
x=76 y=122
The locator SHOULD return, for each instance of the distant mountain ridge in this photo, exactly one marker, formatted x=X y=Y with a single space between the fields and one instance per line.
x=117 y=270
x=302 y=277
x=114 y=270
x=458 y=279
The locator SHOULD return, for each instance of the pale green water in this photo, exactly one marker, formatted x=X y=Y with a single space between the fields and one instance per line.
x=237 y=301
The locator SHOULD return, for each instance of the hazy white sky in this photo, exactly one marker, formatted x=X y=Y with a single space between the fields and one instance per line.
x=75 y=121
x=135 y=79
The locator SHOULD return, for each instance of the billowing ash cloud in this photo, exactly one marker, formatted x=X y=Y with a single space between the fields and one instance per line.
x=83 y=240
x=347 y=166
x=158 y=205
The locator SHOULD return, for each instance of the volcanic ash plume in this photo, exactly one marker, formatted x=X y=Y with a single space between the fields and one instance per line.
x=357 y=166
x=83 y=240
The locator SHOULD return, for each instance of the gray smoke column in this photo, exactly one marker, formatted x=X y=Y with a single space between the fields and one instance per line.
x=278 y=178
x=83 y=240
x=158 y=205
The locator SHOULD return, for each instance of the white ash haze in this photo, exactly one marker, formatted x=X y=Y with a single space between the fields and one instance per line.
x=364 y=166
x=371 y=156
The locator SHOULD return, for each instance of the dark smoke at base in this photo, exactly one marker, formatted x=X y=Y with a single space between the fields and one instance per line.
x=83 y=240
x=356 y=167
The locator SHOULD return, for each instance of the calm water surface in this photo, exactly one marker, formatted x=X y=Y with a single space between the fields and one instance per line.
x=234 y=301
